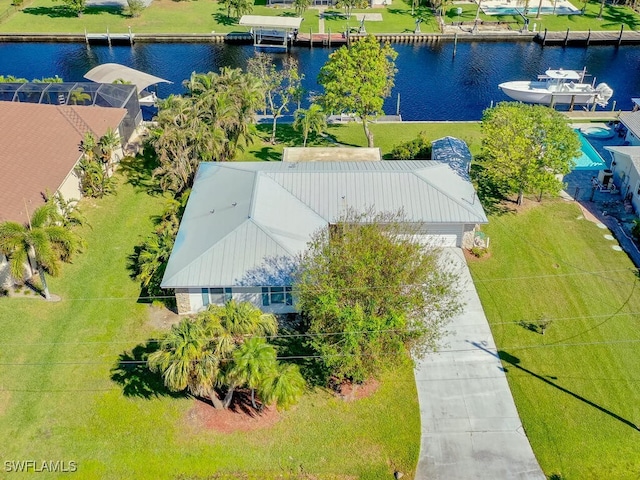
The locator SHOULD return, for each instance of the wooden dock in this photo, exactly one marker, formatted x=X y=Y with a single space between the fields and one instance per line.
x=581 y=38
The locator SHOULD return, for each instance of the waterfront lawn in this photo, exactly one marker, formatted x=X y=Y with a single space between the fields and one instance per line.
x=57 y=401
x=162 y=16
x=612 y=18
x=395 y=19
x=576 y=386
x=387 y=136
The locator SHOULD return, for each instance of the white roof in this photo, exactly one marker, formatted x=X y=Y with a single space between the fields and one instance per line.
x=110 y=72
x=331 y=154
x=564 y=74
x=270 y=22
x=241 y=214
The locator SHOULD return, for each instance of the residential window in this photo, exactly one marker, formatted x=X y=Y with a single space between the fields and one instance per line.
x=277 y=296
x=228 y=294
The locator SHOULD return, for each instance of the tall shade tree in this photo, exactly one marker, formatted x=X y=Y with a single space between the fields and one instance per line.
x=311 y=120
x=280 y=86
x=370 y=279
x=44 y=242
x=526 y=148
x=357 y=80
x=222 y=349
x=212 y=122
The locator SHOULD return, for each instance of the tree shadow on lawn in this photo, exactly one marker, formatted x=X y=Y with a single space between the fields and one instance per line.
x=223 y=19
x=515 y=363
x=139 y=170
x=268 y=154
x=65 y=12
x=132 y=373
x=615 y=16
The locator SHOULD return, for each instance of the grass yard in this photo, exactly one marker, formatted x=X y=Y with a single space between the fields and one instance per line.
x=162 y=16
x=168 y=16
x=58 y=402
x=387 y=136
x=613 y=16
x=577 y=387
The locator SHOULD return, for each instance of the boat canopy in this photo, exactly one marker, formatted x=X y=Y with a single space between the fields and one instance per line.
x=110 y=72
x=285 y=23
x=564 y=74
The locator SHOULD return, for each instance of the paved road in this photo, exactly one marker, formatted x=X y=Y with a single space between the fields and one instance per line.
x=470 y=426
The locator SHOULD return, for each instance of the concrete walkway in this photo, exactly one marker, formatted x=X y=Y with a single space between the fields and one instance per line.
x=470 y=426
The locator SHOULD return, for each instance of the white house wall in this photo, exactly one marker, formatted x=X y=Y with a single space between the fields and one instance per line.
x=70 y=187
x=627 y=178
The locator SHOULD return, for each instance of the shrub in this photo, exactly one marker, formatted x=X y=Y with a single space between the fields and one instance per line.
x=478 y=251
x=134 y=8
x=417 y=149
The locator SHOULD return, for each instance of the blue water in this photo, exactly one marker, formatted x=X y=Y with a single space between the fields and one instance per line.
x=590 y=158
x=432 y=83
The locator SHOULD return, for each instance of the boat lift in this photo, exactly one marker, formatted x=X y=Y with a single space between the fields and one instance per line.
x=272 y=31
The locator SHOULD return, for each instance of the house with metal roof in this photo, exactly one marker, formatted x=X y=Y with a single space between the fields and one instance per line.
x=631 y=120
x=246 y=223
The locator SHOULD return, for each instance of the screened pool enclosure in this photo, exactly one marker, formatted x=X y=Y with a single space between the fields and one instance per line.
x=111 y=95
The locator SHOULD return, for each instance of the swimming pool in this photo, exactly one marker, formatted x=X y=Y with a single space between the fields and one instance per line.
x=560 y=10
x=590 y=158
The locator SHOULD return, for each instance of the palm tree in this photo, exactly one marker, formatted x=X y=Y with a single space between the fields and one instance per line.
x=107 y=145
x=152 y=256
x=312 y=120
x=301 y=6
x=186 y=362
x=43 y=241
x=79 y=96
x=199 y=355
x=253 y=362
x=284 y=386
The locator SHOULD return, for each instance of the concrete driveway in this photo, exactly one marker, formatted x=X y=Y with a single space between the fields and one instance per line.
x=470 y=425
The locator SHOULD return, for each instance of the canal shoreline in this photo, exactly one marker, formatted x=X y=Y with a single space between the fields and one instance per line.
x=577 y=38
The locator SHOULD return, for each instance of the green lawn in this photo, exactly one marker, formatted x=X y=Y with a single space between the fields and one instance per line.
x=613 y=17
x=168 y=16
x=577 y=386
x=387 y=136
x=58 y=402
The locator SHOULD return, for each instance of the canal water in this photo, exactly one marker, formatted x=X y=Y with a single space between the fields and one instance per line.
x=433 y=83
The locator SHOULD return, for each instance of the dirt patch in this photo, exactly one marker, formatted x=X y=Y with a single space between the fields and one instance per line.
x=470 y=257
x=233 y=419
x=162 y=318
x=350 y=392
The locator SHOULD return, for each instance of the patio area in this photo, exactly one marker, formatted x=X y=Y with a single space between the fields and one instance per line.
x=607 y=208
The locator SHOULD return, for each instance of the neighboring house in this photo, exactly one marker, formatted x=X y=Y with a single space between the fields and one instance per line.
x=246 y=222
x=631 y=120
x=625 y=165
x=39 y=149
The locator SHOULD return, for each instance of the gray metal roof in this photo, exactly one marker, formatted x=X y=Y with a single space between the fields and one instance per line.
x=631 y=120
x=241 y=213
x=270 y=22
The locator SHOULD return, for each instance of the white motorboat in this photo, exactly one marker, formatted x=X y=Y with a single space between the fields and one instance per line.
x=558 y=87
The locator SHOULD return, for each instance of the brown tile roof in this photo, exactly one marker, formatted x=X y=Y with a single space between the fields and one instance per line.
x=39 y=146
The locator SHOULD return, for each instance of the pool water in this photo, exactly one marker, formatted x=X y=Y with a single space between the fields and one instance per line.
x=590 y=158
x=560 y=10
